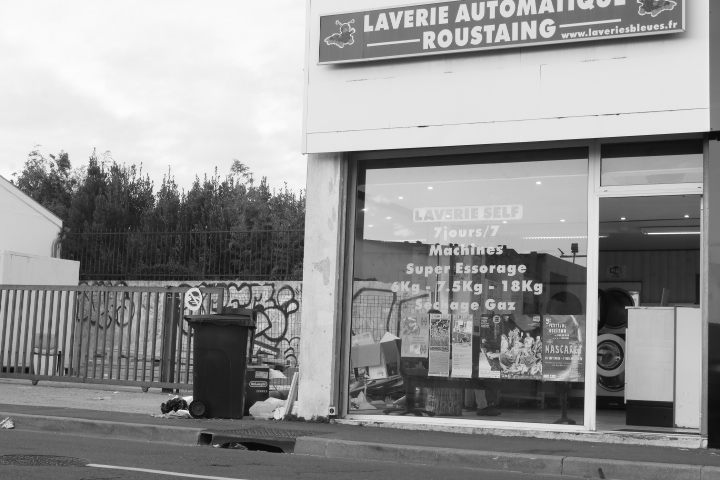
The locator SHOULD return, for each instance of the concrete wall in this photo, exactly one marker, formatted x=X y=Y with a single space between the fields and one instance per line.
x=322 y=283
x=27 y=227
x=612 y=88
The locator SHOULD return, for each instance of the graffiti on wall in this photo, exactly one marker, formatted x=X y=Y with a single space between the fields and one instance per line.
x=278 y=307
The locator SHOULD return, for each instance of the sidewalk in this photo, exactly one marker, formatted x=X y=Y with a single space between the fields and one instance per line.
x=125 y=412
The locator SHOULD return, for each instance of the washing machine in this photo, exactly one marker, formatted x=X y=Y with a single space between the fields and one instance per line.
x=611 y=370
x=614 y=297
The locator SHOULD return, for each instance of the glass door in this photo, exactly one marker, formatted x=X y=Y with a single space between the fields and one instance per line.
x=649 y=340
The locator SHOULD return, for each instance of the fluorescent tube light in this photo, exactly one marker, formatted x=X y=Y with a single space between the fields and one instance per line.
x=690 y=230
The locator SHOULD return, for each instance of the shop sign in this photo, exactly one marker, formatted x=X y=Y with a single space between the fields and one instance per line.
x=467 y=214
x=452 y=27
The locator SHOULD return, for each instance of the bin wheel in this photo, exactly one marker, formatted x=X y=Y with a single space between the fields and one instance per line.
x=199 y=409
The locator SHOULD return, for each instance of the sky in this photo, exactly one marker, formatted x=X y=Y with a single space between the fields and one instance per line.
x=185 y=85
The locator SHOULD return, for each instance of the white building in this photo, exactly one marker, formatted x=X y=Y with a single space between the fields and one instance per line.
x=573 y=142
x=28 y=242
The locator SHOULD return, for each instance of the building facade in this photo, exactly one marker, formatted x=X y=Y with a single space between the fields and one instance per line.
x=500 y=192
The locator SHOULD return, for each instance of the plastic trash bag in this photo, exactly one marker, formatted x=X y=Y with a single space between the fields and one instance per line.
x=173 y=405
x=265 y=409
x=7 y=423
x=361 y=403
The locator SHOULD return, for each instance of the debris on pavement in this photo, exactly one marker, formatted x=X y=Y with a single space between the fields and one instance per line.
x=176 y=407
x=176 y=403
x=174 y=414
x=7 y=423
x=270 y=408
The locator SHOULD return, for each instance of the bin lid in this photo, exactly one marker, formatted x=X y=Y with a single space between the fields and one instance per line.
x=245 y=319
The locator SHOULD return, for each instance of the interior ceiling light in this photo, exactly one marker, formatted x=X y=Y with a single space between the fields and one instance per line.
x=622 y=218
x=388 y=218
x=687 y=216
x=562 y=220
x=691 y=230
x=538 y=183
x=400 y=198
x=430 y=188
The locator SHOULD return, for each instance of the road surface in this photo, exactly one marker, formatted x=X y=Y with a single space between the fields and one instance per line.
x=33 y=455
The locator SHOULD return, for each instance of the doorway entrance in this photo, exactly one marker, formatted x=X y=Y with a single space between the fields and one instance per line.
x=649 y=339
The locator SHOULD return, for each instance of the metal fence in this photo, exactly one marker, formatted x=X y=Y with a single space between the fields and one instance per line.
x=380 y=310
x=238 y=255
x=115 y=335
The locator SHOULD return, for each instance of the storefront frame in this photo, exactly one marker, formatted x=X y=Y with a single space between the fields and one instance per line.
x=595 y=192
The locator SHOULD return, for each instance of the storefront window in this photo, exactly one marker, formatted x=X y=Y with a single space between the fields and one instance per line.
x=469 y=291
x=652 y=163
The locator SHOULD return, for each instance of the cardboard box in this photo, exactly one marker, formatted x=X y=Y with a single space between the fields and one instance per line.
x=378 y=359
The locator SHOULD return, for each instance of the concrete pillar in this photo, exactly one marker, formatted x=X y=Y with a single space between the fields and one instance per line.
x=322 y=283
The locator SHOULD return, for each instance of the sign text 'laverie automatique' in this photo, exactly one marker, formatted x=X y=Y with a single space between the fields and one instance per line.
x=451 y=27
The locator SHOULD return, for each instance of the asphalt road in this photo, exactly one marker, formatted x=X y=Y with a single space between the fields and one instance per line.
x=196 y=462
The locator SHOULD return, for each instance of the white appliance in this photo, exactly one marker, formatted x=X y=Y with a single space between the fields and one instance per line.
x=651 y=366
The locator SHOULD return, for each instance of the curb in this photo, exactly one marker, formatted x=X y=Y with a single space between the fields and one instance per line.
x=101 y=428
x=499 y=461
x=346 y=449
x=618 y=438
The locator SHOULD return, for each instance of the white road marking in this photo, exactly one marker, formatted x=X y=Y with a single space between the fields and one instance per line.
x=161 y=472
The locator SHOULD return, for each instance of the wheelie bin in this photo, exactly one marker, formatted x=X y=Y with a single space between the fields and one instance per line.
x=222 y=346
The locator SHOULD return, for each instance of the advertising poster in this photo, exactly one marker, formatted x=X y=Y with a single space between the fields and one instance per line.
x=521 y=347
x=439 y=355
x=490 y=342
x=462 y=337
x=415 y=336
x=563 y=348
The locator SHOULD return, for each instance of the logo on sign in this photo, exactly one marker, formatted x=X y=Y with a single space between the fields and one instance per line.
x=345 y=37
x=655 y=7
x=616 y=272
x=496 y=319
x=258 y=384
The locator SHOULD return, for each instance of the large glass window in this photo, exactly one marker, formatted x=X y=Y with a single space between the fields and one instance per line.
x=469 y=287
x=652 y=163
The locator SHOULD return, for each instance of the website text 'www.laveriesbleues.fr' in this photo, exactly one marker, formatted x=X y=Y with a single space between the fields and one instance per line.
x=618 y=30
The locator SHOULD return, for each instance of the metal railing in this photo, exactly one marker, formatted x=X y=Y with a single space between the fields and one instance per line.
x=239 y=255
x=115 y=335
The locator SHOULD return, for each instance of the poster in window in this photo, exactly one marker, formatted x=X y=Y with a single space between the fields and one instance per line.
x=439 y=355
x=563 y=348
x=415 y=336
x=521 y=347
x=490 y=342
x=462 y=338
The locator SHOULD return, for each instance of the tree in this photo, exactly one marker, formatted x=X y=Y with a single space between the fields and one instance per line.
x=168 y=232
x=50 y=182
